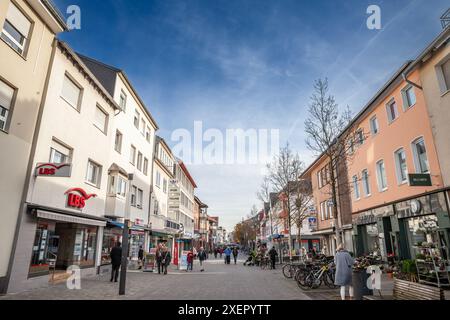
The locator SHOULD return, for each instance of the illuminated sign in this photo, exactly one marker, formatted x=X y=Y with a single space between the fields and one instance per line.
x=76 y=198
x=53 y=169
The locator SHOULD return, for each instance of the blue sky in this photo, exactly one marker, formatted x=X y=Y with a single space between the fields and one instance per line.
x=249 y=64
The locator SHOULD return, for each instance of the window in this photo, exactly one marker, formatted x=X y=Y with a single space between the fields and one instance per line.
x=118 y=142
x=93 y=174
x=158 y=179
x=136 y=119
x=145 y=166
x=391 y=109
x=400 y=166
x=139 y=161
x=117 y=186
x=365 y=182
x=446 y=74
x=16 y=29
x=133 y=196
x=322 y=210
x=356 y=187
x=374 y=125
x=71 y=92
x=409 y=97
x=148 y=134
x=140 y=197
x=133 y=155
x=59 y=153
x=381 y=176
x=143 y=126
x=101 y=119
x=123 y=100
x=359 y=137
x=6 y=100
x=155 y=207
x=164 y=185
x=420 y=156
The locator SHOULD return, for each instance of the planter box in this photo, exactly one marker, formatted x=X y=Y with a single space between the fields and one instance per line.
x=406 y=290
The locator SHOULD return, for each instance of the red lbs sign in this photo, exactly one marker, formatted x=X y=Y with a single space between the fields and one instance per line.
x=76 y=198
x=53 y=170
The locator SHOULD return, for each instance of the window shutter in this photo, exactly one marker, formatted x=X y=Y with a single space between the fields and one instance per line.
x=70 y=92
x=6 y=95
x=18 y=20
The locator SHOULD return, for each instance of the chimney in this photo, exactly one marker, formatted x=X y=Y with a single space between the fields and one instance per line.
x=445 y=19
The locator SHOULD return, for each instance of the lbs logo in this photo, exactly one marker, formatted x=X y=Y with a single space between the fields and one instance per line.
x=76 y=197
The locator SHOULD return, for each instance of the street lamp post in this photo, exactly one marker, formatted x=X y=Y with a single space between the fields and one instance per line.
x=125 y=239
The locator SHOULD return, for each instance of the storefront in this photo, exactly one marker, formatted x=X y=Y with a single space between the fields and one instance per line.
x=112 y=234
x=62 y=239
x=401 y=229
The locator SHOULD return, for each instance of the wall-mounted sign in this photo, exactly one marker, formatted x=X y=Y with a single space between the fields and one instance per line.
x=76 y=198
x=53 y=169
x=420 y=180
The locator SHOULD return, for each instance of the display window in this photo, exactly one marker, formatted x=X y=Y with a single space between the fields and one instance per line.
x=422 y=232
x=110 y=238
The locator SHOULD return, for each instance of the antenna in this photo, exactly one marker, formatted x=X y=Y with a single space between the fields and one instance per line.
x=445 y=19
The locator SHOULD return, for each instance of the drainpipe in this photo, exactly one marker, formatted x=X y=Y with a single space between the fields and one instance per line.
x=405 y=77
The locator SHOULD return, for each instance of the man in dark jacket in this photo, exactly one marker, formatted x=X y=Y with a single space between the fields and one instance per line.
x=202 y=257
x=235 y=254
x=141 y=257
x=273 y=257
x=166 y=258
x=116 y=259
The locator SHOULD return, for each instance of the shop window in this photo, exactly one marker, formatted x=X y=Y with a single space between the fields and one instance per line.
x=371 y=241
x=16 y=29
x=40 y=256
x=422 y=232
x=420 y=156
x=110 y=238
x=6 y=101
x=400 y=166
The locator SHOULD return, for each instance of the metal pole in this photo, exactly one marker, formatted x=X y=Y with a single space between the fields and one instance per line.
x=125 y=237
x=123 y=268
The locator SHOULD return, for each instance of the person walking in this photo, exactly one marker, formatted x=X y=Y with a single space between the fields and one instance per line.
x=141 y=257
x=220 y=252
x=116 y=259
x=166 y=259
x=227 y=255
x=235 y=254
x=190 y=261
x=158 y=257
x=344 y=263
x=202 y=257
x=273 y=257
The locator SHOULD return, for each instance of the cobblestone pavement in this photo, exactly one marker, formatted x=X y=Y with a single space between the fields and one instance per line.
x=218 y=282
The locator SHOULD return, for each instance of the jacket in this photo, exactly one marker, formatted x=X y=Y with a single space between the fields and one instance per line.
x=344 y=263
x=116 y=256
x=273 y=253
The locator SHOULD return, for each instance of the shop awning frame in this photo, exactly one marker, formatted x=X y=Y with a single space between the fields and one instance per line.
x=68 y=218
x=70 y=215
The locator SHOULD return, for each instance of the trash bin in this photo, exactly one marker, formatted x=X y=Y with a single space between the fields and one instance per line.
x=360 y=288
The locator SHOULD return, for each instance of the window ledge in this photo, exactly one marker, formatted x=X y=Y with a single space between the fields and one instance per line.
x=4 y=131
x=91 y=184
x=445 y=93
x=15 y=51
x=71 y=105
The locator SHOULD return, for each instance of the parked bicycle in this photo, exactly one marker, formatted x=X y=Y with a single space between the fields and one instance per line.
x=318 y=274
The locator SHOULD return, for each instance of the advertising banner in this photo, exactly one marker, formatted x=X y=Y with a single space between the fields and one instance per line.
x=183 y=260
x=150 y=260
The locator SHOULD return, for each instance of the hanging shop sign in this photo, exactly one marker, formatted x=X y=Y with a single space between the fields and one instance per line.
x=77 y=197
x=53 y=170
x=419 y=180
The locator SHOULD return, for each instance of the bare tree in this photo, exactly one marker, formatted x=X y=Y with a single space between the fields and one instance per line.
x=285 y=169
x=330 y=135
x=301 y=203
x=264 y=195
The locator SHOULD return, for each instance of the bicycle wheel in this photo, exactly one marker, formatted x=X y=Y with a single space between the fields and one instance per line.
x=301 y=277
x=328 y=279
x=287 y=271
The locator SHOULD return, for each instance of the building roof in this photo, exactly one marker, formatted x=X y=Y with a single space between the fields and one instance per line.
x=107 y=75
x=200 y=203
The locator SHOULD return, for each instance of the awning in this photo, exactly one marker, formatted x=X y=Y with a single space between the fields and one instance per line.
x=115 y=224
x=68 y=218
